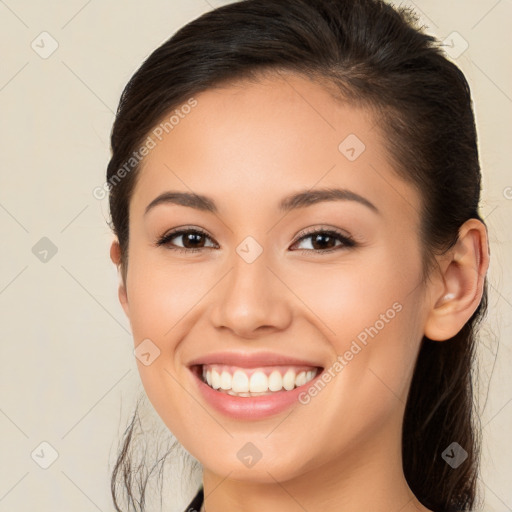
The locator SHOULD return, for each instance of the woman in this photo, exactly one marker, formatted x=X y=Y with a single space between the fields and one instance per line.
x=294 y=190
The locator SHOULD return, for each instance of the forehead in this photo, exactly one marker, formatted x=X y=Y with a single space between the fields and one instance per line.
x=258 y=141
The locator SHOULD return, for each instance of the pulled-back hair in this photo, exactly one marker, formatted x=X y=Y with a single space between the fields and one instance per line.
x=377 y=57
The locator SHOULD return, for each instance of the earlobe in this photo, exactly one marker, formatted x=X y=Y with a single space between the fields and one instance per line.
x=115 y=252
x=115 y=256
x=463 y=276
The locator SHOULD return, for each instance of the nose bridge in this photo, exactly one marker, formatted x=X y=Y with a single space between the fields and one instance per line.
x=251 y=297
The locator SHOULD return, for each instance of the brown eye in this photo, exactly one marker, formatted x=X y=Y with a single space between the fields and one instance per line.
x=191 y=240
x=325 y=241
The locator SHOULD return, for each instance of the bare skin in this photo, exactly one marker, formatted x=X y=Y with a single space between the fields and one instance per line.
x=246 y=147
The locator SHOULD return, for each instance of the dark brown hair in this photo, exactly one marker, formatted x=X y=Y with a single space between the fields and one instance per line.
x=377 y=57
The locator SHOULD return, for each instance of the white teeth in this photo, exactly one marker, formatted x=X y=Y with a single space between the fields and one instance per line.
x=240 y=383
x=289 y=380
x=215 y=380
x=225 y=380
x=275 y=381
x=258 y=383
x=300 y=380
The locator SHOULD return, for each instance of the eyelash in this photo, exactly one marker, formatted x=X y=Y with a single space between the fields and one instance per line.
x=346 y=241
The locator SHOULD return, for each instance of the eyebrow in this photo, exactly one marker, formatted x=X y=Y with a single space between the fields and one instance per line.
x=297 y=200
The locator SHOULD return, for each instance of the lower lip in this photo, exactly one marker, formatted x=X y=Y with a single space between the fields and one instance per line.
x=251 y=408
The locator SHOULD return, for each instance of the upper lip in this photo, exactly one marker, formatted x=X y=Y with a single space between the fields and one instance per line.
x=248 y=360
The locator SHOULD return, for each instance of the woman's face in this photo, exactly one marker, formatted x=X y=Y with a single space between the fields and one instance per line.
x=256 y=294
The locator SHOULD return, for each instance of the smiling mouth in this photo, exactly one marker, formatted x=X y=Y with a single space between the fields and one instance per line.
x=248 y=382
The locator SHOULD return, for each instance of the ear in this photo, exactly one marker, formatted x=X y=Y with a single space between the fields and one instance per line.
x=462 y=280
x=115 y=256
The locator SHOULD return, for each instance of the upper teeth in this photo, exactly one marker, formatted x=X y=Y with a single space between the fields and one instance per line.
x=241 y=380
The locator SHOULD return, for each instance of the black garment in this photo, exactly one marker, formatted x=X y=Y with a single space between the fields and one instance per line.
x=196 y=503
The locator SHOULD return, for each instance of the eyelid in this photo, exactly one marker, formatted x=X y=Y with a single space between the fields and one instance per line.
x=180 y=231
x=347 y=241
x=184 y=229
x=323 y=229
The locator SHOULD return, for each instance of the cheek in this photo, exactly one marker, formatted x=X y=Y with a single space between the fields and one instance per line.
x=160 y=296
x=371 y=314
x=349 y=296
x=167 y=301
x=159 y=314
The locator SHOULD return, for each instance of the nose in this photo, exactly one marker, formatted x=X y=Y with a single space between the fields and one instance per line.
x=251 y=300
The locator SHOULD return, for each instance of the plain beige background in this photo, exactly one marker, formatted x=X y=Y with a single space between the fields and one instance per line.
x=67 y=372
